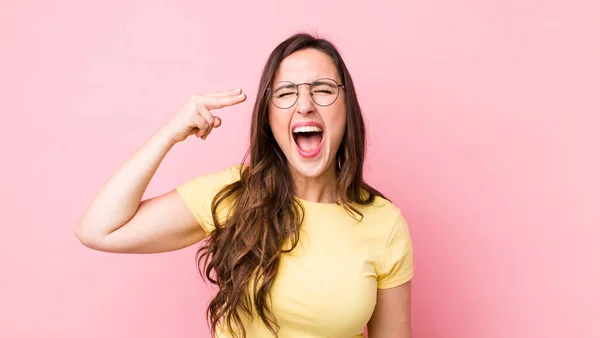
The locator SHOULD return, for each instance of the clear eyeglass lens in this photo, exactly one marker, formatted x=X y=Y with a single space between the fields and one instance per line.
x=324 y=92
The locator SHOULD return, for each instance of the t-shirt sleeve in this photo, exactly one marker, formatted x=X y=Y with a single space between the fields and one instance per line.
x=199 y=192
x=396 y=265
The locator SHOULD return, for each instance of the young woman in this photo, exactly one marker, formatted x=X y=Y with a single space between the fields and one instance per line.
x=297 y=243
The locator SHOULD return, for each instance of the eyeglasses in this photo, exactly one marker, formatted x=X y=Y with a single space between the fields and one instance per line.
x=324 y=92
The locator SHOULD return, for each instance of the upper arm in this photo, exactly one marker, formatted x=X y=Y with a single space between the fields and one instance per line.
x=162 y=223
x=391 y=317
x=171 y=221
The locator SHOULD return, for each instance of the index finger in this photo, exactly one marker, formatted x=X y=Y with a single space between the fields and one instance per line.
x=225 y=93
x=216 y=102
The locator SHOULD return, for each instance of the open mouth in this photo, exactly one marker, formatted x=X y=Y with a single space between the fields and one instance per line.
x=309 y=140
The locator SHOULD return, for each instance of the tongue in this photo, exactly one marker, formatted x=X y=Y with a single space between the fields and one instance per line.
x=308 y=142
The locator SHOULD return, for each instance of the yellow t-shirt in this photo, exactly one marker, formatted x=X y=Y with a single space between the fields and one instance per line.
x=327 y=286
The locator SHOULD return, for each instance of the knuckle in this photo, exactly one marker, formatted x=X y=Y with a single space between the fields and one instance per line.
x=203 y=124
x=190 y=108
x=195 y=98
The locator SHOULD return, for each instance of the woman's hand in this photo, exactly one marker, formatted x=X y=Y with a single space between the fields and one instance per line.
x=196 y=116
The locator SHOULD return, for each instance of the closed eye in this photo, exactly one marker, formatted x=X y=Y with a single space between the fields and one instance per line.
x=285 y=94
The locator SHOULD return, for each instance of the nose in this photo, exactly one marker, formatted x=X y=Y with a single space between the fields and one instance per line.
x=304 y=105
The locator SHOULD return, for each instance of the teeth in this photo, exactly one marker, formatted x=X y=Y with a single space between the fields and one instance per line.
x=307 y=129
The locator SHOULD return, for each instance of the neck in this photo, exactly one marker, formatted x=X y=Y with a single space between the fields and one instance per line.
x=320 y=189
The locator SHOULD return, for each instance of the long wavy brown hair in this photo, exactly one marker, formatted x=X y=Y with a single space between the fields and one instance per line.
x=242 y=254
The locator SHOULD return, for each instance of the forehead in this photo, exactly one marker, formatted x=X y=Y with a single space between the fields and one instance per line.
x=306 y=66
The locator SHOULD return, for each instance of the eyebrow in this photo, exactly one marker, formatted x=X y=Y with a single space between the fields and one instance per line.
x=285 y=86
x=290 y=85
x=322 y=82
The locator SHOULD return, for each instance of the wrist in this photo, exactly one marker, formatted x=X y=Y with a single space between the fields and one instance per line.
x=165 y=137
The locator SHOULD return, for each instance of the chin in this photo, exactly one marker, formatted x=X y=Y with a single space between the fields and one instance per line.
x=311 y=170
x=309 y=167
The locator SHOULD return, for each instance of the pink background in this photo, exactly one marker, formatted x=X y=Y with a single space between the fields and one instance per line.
x=483 y=119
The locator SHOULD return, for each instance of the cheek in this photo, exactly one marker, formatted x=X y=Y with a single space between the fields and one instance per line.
x=279 y=126
x=339 y=126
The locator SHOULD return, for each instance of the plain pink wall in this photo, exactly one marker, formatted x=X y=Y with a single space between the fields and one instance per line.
x=483 y=120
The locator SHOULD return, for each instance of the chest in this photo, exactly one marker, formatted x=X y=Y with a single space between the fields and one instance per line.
x=327 y=284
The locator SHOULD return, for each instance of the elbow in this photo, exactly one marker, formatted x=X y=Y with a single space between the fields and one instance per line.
x=86 y=238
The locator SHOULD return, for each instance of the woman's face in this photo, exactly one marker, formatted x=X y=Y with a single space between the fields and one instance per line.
x=309 y=134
